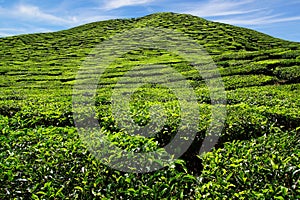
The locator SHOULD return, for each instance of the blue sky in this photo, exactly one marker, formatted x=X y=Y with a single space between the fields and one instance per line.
x=279 y=18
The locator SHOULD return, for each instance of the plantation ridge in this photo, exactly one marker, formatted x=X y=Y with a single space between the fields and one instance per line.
x=258 y=153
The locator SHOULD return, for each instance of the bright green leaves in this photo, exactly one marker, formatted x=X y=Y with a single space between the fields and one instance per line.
x=252 y=169
x=42 y=157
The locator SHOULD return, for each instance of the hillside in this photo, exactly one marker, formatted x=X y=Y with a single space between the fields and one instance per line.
x=257 y=155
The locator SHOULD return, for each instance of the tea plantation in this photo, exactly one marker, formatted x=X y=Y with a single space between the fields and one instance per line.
x=257 y=155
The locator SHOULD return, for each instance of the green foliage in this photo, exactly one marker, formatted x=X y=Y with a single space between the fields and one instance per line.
x=289 y=74
x=263 y=168
x=53 y=163
x=257 y=157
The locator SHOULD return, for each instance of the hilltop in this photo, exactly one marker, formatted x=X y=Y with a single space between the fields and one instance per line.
x=42 y=155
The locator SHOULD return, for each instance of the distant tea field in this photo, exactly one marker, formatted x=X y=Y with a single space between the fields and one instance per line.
x=42 y=155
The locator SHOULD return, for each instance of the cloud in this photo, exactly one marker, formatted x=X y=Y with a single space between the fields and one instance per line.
x=87 y=19
x=36 y=14
x=65 y=14
x=24 y=18
x=259 y=20
x=215 y=8
x=247 y=12
x=23 y=12
x=4 y=35
x=4 y=32
x=114 y=4
x=33 y=15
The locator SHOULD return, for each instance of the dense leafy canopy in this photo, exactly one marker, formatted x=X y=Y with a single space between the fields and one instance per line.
x=42 y=156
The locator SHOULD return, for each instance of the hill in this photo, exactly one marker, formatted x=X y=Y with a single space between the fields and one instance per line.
x=257 y=156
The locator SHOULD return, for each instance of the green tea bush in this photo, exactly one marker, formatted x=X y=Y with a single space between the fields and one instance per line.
x=290 y=74
x=52 y=162
x=238 y=81
x=43 y=157
x=263 y=168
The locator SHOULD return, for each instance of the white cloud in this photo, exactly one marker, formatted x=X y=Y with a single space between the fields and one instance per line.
x=247 y=12
x=23 y=12
x=4 y=32
x=35 y=13
x=31 y=19
x=219 y=8
x=69 y=14
x=9 y=29
x=114 y=4
x=259 y=20
x=87 y=19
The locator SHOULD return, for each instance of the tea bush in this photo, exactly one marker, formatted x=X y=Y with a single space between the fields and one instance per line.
x=262 y=168
x=42 y=156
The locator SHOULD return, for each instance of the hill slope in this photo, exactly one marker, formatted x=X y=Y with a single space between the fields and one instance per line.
x=258 y=152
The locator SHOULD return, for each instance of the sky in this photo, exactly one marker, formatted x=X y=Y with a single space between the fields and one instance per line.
x=278 y=18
